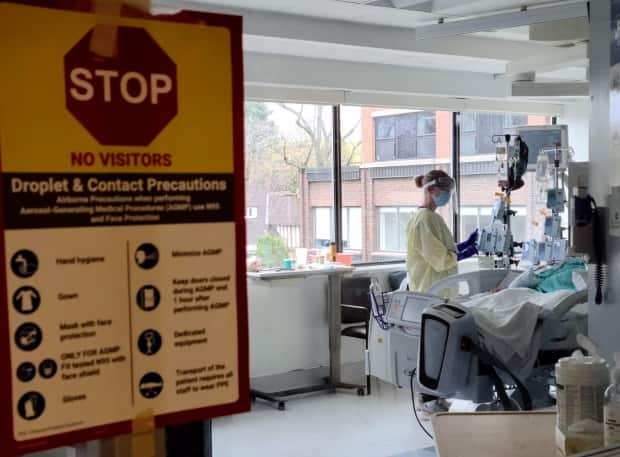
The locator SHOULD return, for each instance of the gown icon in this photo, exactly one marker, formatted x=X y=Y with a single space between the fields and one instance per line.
x=26 y=300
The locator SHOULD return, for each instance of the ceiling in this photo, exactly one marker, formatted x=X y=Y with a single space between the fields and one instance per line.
x=379 y=37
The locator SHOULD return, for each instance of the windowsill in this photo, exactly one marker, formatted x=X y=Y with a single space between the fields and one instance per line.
x=405 y=163
x=380 y=266
x=478 y=158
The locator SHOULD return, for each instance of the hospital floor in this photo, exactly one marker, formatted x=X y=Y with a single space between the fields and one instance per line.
x=326 y=425
x=338 y=424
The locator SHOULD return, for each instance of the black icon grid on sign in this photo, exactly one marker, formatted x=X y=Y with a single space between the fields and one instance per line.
x=48 y=368
x=26 y=300
x=31 y=405
x=149 y=342
x=24 y=263
x=148 y=298
x=151 y=385
x=26 y=372
x=28 y=336
x=147 y=256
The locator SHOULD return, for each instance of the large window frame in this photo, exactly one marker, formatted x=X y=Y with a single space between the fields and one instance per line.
x=409 y=135
x=459 y=127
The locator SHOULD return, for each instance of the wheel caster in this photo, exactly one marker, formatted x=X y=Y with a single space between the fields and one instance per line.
x=281 y=406
x=360 y=391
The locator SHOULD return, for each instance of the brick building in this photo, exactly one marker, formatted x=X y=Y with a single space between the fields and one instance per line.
x=379 y=195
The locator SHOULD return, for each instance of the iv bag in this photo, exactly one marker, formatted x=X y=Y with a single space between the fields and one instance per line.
x=542 y=168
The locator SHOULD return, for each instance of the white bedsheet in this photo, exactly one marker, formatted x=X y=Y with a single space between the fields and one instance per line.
x=507 y=321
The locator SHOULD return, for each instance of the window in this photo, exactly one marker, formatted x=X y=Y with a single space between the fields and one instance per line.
x=478 y=129
x=426 y=134
x=405 y=136
x=351 y=227
x=392 y=228
x=251 y=212
x=288 y=155
x=289 y=178
x=322 y=222
x=479 y=217
x=479 y=178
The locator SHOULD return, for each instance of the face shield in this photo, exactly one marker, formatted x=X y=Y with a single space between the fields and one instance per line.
x=444 y=183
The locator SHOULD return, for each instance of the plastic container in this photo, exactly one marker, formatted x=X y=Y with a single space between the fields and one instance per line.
x=301 y=257
x=331 y=256
x=344 y=259
x=581 y=385
x=612 y=407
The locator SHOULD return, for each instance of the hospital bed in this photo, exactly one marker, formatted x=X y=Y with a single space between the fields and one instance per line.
x=413 y=324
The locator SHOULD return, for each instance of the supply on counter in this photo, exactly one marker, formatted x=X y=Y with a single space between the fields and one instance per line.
x=612 y=407
x=301 y=256
x=331 y=257
x=581 y=384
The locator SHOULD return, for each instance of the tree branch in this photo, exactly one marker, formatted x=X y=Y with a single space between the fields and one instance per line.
x=351 y=131
x=355 y=147
x=300 y=121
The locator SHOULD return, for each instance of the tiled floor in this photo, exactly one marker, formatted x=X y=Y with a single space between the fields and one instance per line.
x=323 y=425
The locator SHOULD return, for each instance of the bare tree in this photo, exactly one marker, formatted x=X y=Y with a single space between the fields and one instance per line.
x=316 y=152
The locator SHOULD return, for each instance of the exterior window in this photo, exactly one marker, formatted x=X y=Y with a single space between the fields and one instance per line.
x=351 y=227
x=426 y=134
x=322 y=227
x=405 y=136
x=251 y=212
x=392 y=227
x=477 y=130
x=473 y=217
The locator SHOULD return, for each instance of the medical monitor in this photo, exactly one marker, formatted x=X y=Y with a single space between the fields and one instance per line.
x=538 y=137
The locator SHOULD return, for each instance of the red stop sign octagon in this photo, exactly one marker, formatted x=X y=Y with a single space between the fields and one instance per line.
x=126 y=100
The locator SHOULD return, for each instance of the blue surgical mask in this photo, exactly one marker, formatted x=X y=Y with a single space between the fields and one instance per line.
x=442 y=199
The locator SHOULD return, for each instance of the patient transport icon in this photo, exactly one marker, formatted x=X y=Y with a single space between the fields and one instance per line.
x=24 y=263
x=151 y=385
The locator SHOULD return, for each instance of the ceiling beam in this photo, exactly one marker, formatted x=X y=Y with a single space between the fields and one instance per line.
x=379 y=100
x=574 y=56
x=334 y=32
x=268 y=69
x=545 y=90
x=534 y=15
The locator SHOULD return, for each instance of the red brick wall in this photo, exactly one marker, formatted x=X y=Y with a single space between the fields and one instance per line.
x=443 y=136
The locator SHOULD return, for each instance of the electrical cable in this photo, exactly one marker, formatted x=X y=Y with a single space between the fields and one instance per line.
x=377 y=313
x=490 y=359
x=597 y=241
x=415 y=412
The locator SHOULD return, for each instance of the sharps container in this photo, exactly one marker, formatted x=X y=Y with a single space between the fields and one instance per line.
x=581 y=383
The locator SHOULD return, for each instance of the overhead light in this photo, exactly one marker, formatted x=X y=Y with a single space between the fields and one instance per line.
x=502 y=21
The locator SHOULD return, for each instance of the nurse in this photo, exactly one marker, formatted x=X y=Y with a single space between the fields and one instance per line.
x=431 y=252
